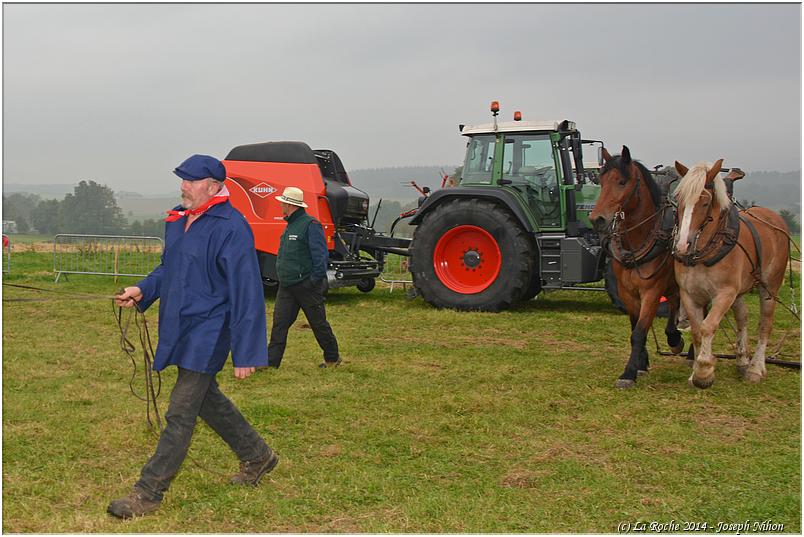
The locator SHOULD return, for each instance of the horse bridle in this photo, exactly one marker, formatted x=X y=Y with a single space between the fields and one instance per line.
x=634 y=258
x=619 y=214
x=721 y=241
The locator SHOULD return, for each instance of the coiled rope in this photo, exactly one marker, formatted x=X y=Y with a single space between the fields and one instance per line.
x=151 y=394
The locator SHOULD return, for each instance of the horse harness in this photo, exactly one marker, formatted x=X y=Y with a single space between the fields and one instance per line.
x=722 y=242
x=657 y=241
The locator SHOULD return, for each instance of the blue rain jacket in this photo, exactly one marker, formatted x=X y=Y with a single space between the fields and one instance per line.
x=210 y=291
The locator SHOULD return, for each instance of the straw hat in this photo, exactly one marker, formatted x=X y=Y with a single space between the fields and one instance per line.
x=292 y=196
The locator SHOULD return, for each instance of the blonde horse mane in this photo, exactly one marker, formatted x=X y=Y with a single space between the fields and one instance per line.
x=687 y=194
x=691 y=185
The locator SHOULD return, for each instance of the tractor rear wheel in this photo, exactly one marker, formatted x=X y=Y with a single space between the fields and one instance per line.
x=535 y=286
x=471 y=254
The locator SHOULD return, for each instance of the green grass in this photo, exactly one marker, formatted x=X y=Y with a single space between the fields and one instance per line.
x=438 y=421
x=27 y=238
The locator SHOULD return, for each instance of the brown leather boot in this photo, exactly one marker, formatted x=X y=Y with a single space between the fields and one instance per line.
x=135 y=504
x=252 y=471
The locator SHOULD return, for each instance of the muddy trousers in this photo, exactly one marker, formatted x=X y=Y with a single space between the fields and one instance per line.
x=196 y=394
x=308 y=296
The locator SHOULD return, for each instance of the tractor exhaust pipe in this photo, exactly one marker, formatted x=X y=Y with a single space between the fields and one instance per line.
x=566 y=164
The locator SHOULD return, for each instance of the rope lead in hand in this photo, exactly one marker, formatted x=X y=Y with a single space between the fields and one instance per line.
x=151 y=392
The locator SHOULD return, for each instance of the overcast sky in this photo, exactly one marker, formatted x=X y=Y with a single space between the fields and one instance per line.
x=121 y=94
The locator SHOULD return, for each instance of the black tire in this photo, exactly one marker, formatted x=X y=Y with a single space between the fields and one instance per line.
x=366 y=285
x=515 y=246
x=535 y=286
x=610 y=282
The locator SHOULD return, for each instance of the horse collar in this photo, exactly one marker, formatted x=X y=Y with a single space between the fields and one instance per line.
x=656 y=243
x=721 y=243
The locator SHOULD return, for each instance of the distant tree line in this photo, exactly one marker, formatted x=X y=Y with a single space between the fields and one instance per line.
x=790 y=217
x=91 y=209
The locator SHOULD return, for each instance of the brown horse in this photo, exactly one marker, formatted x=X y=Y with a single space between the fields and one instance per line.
x=721 y=254
x=636 y=221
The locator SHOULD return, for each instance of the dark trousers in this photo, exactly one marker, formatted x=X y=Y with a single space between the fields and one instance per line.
x=309 y=297
x=196 y=394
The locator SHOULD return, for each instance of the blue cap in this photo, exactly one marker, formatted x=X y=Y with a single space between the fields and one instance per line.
x=200 y=167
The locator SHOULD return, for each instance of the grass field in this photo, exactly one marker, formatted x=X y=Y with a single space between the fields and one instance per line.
x=438 y=421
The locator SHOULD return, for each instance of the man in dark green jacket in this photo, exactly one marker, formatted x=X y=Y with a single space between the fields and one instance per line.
x=301 y=267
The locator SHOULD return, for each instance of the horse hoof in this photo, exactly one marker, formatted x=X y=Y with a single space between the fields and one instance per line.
x=690 y=363
x=625 y=383
x=678 y=349
x=642 y=372
x=752 y=377
x=701 y=383
x=742 y=370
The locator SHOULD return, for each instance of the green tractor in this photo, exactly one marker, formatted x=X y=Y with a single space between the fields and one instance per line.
x=516 y=224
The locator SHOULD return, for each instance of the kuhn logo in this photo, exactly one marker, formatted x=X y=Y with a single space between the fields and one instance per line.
x=262 y=190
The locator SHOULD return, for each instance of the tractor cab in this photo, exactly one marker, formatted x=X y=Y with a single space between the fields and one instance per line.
x=521 y=157
x=537 y=161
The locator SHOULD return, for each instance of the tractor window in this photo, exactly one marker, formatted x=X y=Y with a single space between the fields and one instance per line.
x=527 y=156
x=479 y=159
x=528 y=163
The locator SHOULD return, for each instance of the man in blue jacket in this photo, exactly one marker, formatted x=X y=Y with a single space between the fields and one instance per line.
x=301 y=267
x=211 y=303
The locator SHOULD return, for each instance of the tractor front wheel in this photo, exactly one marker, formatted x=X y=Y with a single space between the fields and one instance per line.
x=471 y=254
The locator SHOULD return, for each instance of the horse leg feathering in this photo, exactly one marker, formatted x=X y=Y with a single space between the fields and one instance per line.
x=741 y=346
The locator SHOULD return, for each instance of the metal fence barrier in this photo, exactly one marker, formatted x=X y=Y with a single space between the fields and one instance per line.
x=396 y=272
x=109 y=255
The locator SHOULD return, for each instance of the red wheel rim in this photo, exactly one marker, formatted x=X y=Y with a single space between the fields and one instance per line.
x=467 y=259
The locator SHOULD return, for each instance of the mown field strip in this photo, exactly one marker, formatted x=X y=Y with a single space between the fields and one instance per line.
x=438 y=421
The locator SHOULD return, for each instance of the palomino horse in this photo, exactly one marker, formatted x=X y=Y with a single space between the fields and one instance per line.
x=710 y=269
x=637 y=223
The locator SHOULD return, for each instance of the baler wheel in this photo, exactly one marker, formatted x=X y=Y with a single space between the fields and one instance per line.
x=366 y=285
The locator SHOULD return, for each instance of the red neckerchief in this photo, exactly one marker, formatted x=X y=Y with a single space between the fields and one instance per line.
x=220 y=197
